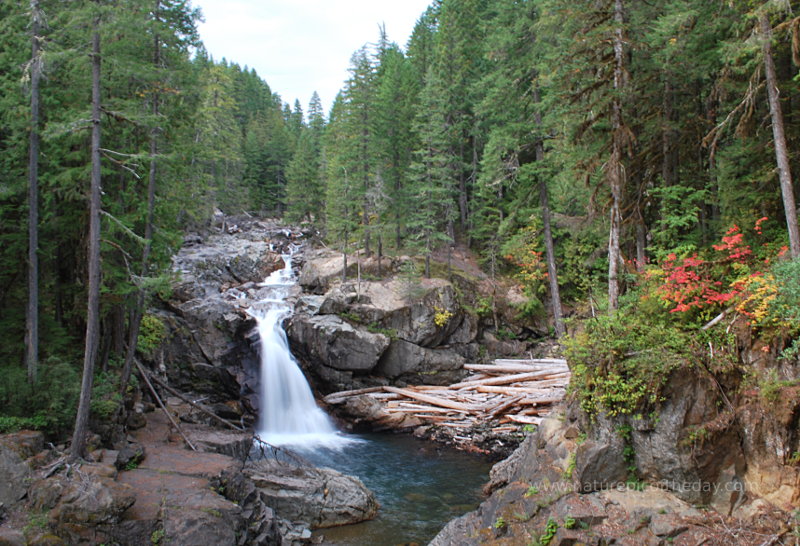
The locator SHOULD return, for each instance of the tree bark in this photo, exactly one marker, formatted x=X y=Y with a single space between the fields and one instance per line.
x=615 y=171
x=78 y=446
x=32 y=315
x=779 y=136
x=544 y=202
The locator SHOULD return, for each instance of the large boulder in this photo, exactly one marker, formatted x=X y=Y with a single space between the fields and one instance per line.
x=414 y=364
x=202 y=517
x=335 y=343
x=323 y=268
x=79 y=506
x=320 y=497
x=536 y=493
x=14 y=471
x=232 y=443
x=425 y=312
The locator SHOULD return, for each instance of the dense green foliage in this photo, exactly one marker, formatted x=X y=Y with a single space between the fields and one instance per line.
x=646 y=122
x=222 y=139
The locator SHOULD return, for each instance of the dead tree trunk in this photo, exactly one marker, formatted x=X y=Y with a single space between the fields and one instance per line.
x=615 y=170
x=32 y=315
x=781 y=154
x=93 y=299
x=544 y=202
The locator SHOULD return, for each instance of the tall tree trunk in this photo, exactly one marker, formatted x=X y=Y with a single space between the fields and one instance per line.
x=544 y=202
x=463 y=202
x=781 y=154
x=615 y=171
x=138 y=310
x=32 y=315
x=93 y=299
x=668 y=152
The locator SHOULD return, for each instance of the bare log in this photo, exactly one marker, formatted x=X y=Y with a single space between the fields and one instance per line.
x=163 y=407
x=503 y=407
x=506 y=379
x=435 y=400
x=195 y=404
x=334 y=398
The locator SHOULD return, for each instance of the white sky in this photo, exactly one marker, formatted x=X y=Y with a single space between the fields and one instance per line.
x=302 y=46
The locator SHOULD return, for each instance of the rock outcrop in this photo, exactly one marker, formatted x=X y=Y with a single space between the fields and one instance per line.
x=15 y=471
x=319 y=497
x=554 y=490
x=395 y=330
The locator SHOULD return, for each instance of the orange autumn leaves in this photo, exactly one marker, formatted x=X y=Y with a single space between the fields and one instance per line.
x=732 y=275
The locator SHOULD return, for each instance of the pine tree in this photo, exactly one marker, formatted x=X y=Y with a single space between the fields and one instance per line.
x=92 y=340
x=32 y=320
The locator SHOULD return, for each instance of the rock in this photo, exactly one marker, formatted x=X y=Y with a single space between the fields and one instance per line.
x=334 y=343
x=667 y=525
x=412 y=363
x=426 y=313
x=323 y=268
x=130 y=456
x=662 y=453
x=12 y=537
x=80 y=504
x=25 y=443
x=15 y=472
x=320 y=497
x=600 y=466
x=202 y=517
x=135 y=420
x=92 y=500
x=264 y=526
x=225 y=441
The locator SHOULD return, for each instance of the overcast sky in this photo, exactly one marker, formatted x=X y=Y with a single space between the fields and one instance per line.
x=302 y=46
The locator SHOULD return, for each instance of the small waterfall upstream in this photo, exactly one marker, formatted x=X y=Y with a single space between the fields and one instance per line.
x=289 y=414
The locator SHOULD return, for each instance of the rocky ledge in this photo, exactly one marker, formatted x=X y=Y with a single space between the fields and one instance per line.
x=155 y=490
x=561 y=489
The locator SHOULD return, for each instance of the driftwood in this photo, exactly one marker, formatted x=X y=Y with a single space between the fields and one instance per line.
x=340 y=396
x=435 y=400
x=507 y=395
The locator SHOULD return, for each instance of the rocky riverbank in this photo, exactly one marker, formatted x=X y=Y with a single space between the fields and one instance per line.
x=155 y=490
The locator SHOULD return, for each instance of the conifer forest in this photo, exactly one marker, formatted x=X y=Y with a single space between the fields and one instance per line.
x=631 y=165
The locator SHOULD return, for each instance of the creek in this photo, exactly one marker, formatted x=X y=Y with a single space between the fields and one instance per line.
x=420 y=486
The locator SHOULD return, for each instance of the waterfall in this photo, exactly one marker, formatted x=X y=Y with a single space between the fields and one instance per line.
x=288 y=413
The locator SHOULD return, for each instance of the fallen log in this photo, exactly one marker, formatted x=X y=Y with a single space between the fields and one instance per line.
x=333 y=398
x=512 y=368
x=503 y=407
x=506 y=379
x=540 y=401
x=511 y=391
x=524 y=419
x=560 y=361
x=434 y=400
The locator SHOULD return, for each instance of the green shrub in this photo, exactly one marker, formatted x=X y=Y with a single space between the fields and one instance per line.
x=106 y=398
x=620 y=364
x=49 y=405
x=152 y=332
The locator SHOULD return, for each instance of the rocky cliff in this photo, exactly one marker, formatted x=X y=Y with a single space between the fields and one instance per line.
x=716 y=461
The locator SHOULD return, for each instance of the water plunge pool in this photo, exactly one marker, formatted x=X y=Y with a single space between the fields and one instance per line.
x=419 y=485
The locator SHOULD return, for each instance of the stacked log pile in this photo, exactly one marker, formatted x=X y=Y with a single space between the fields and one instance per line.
x=506 y=394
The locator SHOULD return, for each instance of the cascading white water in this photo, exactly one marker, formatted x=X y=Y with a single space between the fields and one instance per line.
x=289 y=413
